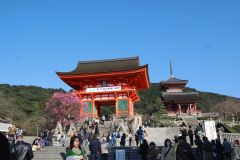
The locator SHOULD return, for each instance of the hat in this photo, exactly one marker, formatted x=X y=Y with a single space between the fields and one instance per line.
x=19 y=132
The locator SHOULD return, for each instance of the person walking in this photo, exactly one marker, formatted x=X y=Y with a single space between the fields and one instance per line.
x=21 y=150
x=75 y=151
x=190 y=134
x=168 y=150
x=95 y=148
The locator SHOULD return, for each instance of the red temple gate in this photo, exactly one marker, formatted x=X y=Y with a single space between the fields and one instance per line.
x=108 y=82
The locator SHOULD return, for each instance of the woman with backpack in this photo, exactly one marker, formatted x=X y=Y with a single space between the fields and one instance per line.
x=168 y=150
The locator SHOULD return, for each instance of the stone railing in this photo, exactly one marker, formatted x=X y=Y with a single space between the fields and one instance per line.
x=231 y=137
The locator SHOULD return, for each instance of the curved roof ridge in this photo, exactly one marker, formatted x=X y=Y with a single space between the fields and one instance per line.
x=109 y=60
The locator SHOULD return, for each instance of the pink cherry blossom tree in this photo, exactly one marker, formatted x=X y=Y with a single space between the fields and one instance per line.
x=63 y=107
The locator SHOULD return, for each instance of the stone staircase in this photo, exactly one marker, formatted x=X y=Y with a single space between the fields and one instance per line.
x=105 y=129
x=190 y=120
x=50 y=153
x=131 y=153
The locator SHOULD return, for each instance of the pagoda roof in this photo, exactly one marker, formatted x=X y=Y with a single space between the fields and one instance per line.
x=180 y=96
x=103 y=66
x=173 y=80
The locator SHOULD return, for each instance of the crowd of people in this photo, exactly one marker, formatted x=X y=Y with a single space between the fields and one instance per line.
x=179 y=148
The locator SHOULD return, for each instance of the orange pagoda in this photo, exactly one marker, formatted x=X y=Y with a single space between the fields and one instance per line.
x=108 y=82
x=176 y=101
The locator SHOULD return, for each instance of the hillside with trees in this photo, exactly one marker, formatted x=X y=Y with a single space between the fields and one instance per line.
x=24 y=105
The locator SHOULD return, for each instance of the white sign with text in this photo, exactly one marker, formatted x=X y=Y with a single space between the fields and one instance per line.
x=104 y=89
x=210 y=130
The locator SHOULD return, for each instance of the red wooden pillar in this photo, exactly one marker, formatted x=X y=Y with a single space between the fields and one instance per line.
x=92 y=108
x=116 y=105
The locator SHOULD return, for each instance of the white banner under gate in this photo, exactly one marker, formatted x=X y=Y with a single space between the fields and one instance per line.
x=210 y=130
x=104 y=89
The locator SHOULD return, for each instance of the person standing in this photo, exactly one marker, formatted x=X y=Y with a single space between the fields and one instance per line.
x=237 y=150
x=95 y=148
x=144 y=150
x=190 y=134
x=130 y=138
x=21 y=150
x=63 y=139
x=207 y=149
x=4 y=147
x=136 y=139
x=152 y=152
x=105 y=149
x=75 y=152
x=59 y=138
x=103 y=119
x=214 y=150
x=184 y=150
x=199 y=144
x=96 y=129
x=123 y=140
x=168 y=150
x=219 y=147
x=227 y=149
x=140 y=135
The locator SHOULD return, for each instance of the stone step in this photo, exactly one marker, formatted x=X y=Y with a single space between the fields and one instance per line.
x=50 y=153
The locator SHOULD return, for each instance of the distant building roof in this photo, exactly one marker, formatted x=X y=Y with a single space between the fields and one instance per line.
x=102 y=66
x=180 y=96
x=173 y=80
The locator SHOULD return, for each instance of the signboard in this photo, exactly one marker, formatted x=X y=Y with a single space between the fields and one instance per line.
x=120 y=154
x=104 y=89
x=4 y=127
x=210 y=130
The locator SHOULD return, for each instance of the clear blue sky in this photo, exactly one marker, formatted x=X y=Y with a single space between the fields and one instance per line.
x=202 y=38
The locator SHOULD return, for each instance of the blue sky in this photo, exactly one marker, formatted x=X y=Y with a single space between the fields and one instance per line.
x=202 y=38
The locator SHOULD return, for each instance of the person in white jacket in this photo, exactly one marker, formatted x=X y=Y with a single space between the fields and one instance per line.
x=105 y=149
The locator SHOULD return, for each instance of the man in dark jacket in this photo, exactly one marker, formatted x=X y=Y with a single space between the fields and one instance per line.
x=184 y=150
x=190 y=134
x=4 y=147
x=21 y=150
x=95 y=148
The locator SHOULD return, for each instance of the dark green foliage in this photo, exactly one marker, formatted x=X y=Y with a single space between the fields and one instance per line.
x=24 y=105
x=150 y=101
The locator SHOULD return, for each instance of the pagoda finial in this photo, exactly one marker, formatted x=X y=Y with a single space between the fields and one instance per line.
x=171 y=70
